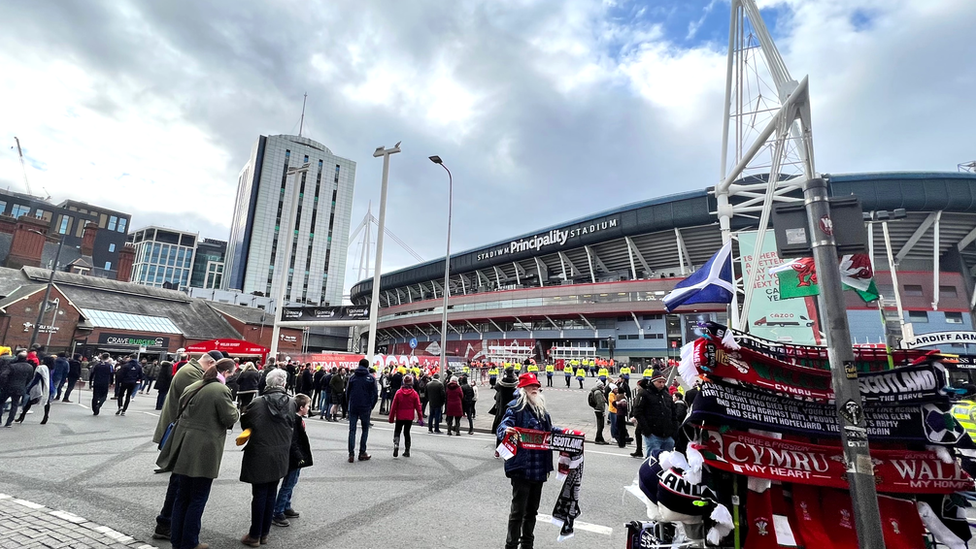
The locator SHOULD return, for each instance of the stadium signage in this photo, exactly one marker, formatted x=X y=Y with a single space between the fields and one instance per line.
x=555 y=237
x=951 y=338
x=133 y=341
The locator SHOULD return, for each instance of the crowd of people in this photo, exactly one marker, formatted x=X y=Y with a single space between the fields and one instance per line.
x=203 y=397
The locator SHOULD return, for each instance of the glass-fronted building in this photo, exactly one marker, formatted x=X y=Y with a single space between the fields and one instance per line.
x=208 y=264
x=164 y=257
x=265 y=191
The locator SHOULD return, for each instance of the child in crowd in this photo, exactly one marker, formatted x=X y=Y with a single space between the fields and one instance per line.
x=301 y=456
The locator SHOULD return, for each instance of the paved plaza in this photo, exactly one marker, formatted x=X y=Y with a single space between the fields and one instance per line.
x=84 y=481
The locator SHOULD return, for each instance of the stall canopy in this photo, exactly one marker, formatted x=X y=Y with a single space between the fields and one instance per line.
x=233 y=347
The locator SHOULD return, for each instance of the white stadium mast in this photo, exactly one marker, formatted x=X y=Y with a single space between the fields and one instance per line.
x=765 y=130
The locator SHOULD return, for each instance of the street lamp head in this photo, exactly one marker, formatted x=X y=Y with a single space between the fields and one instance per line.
x=436 y=159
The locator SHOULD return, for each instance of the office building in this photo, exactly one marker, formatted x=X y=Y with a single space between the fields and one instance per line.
x=208 y=264
x=164 y=257
x=263 y=205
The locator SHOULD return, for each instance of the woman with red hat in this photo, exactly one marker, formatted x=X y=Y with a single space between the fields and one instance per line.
x=527 y=469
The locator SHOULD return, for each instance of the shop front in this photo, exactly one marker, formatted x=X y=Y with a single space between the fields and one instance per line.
x=123 y=343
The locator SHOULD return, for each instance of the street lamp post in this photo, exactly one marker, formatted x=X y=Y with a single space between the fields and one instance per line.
x=47 y=291
x=282 y=271
x=374 y=303
x=447 y=261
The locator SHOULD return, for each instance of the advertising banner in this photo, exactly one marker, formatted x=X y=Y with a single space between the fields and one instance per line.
x=903 y=385
x=791 y=320
x=149 y=342
x=299 y=314
x=939 y=338
x=930 y=423
x=898 y=471
x=351 y=361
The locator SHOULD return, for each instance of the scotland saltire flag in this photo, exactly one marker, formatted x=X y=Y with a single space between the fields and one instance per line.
x=710 y=284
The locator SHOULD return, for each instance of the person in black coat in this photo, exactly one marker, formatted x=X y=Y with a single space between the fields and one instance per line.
x=271 y=418
x=467 y=402
x=305 y=387
x=655 y=415
x=300 y=457
x=437 y=398
x=504 y=394
x=74 y=374
x=247 y=385
x=317 y=378
x=163 y=378
x=16 y=374
x=98 y=381
x=130 y=374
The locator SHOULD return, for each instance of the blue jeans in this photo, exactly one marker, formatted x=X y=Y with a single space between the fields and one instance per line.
x=434 y=421
x=191 y=498
x=284 y=493
x=654 y=442
x=612 y=419
x=165 y=516
x=363 y=418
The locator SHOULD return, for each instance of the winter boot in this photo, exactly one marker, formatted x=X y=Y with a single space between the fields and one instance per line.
x=396 y=446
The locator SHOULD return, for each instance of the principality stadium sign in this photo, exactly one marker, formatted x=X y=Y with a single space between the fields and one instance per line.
x=555 y=237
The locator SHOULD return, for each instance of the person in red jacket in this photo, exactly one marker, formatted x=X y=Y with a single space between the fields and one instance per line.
x=455 y=406
x=405 y=403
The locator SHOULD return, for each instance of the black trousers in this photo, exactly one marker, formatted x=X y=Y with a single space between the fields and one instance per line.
x=621 y=431
x=125 y=395
x=599 y=427
x=72 y=381
x=548 y=380
x=262 y=508
x=404 y=426
x=526 y=495
x=99 y=396
x=14 y=398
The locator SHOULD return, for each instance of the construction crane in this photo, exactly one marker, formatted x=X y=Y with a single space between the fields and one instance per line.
x=23 y=166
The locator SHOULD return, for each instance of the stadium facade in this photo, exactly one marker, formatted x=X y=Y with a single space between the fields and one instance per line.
x=594 y=286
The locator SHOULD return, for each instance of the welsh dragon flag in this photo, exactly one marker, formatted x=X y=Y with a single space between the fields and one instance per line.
x=798 y=278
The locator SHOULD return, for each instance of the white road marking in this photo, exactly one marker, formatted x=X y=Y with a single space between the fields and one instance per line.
x=595 y=528
x=149 y=414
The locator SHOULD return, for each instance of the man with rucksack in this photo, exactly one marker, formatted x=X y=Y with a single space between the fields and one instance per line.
x=598 y=402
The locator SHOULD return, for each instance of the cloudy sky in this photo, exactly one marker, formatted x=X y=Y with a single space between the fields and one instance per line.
x=544 y=110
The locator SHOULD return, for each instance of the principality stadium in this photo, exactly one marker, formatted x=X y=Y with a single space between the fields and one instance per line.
x=593 y=287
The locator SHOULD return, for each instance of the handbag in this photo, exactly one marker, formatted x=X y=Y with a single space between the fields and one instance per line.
x=172 y=425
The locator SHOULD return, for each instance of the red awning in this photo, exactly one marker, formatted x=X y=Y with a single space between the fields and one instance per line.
x=233 y=347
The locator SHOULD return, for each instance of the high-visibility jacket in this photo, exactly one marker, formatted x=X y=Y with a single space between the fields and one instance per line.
x=648 y=373
x=568 y=370
x=493 y=372
x=580 y=373
x=466 y=370
x=518 y=367
x=603 y=373
x=625 y=372
x=550 y=369
x=532 y=368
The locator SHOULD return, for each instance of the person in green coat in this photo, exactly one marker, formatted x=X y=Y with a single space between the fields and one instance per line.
x=193 y=450
x=188 y=374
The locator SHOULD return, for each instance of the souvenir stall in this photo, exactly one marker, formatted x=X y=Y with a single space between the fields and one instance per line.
x=759 y=462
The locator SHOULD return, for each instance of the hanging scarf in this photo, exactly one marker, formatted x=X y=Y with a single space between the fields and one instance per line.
x=569 y=444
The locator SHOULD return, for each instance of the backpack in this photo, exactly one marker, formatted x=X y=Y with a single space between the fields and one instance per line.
x=591 y=400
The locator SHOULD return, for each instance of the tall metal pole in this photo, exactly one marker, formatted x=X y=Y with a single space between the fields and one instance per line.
x=840 y=352
x=447 y=262
x=894 y=279
x=282 y=270
x=47 y=293
x=374 y=302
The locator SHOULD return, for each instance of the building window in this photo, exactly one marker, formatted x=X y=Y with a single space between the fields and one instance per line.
x=65 y=225
x=19 y=210
x=39 y=213
x=111 y=247
x=108 y=265
x=122 y=223
x=921 y=317
x=953 y=318
x=947 y=291
x=113 y=222
x=3 y=206
x=913 y=290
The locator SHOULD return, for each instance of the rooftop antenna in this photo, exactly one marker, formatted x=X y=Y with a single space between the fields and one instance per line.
x=23 y=166
x=301 y=124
